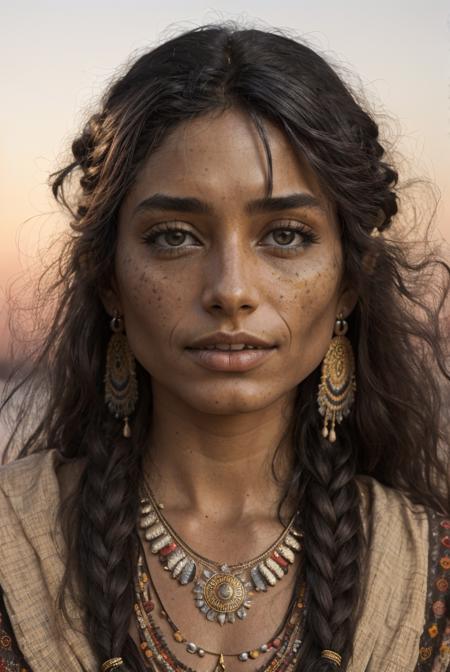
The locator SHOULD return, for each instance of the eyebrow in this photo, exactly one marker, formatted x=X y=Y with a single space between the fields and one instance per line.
x=194 y=205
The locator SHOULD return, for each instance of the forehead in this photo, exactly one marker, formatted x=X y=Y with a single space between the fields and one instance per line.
x=221 y=155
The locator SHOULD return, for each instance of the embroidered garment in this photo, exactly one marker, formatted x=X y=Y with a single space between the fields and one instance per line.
x=404 y=627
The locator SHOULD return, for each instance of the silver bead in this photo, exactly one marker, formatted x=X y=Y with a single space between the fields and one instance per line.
x=201 y=653
x=267 y=574
x=275 y=568
x=221 y=618
x=243 y=656
x=191 y=647
x=211 y=615
x=179 y=567
x=159 y=543
x=263 y=648
x=258 y=580
x=286 y=553
x=188 y=573
x=155 y=531
x=175 y=557
x=292 y=542
x=149 y=520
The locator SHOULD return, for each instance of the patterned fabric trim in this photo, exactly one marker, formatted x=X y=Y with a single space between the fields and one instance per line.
x=434 y=652
x=11 y=659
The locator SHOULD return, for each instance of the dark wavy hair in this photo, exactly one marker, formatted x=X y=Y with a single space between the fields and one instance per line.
x=397 y=431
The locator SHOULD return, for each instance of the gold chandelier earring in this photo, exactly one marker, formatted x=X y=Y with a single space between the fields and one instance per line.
x=121 y=392
x=337 y=385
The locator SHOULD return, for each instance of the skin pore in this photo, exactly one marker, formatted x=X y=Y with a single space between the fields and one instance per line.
x=181 y=275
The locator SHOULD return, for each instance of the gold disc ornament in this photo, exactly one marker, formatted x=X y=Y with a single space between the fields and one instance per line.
x=222 y=596
x=337 y=385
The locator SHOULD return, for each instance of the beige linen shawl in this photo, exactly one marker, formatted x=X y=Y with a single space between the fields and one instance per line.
x=32 y=563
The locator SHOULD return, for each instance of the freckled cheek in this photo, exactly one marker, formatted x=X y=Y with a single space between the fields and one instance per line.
x=309 y=310
x=149 y=303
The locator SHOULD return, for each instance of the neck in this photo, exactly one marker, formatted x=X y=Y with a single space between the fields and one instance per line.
x=219 y=466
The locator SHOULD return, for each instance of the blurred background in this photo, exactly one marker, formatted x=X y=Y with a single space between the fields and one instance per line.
x=57 y=57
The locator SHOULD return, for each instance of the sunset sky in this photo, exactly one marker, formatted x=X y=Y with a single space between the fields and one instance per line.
x=57 y=57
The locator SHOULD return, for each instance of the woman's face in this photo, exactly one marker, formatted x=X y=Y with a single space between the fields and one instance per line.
x=201 y=251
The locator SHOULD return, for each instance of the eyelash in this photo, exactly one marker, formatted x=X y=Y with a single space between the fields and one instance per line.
x=309 y=238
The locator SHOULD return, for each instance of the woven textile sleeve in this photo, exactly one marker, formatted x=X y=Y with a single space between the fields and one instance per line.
x=434 y=654
x=11 y=659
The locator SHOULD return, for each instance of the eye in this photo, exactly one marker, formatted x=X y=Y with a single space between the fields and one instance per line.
x=292 y=236
x=167 y=239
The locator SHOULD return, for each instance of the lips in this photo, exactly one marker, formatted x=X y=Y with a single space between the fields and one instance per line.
x=228 y=347
x=231 y=361
x=239 y=340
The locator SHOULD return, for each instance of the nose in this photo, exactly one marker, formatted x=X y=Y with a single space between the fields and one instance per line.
x=230 y=281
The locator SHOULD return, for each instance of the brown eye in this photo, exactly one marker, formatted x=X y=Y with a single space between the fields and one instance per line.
x=284 y=236
x=292 y=238
x=174 y=238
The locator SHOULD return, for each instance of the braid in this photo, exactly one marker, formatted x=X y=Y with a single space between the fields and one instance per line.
x=107 y=543
x=90 y=150
x=333 y=539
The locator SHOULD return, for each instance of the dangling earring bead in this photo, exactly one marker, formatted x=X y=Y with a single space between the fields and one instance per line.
x=337 y=384
x=121 y=392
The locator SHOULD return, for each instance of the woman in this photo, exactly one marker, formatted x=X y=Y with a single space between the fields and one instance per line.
x=241 y=461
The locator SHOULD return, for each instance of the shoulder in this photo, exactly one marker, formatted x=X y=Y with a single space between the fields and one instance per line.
x=410 y=544
x=389 y=509
x=27 y=470
x=37 y=481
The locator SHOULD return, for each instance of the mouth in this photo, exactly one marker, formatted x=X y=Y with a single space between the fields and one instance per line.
x=226 y=347
x=237 y=357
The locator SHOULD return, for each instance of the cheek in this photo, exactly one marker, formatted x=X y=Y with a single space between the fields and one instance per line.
x=150 y=302
x=309 y=313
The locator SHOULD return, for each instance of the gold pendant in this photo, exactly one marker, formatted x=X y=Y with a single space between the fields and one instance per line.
x=222 y=596
x=220 y=666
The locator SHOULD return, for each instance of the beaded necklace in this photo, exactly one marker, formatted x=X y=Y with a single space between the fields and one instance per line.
x=158 y=656
x=222 y=592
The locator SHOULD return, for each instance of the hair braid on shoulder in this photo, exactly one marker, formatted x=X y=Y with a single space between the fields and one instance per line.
x=107 y=543
x=333 y=544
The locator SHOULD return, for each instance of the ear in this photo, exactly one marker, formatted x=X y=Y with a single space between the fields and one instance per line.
x=347 y=301
x=110 y=297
